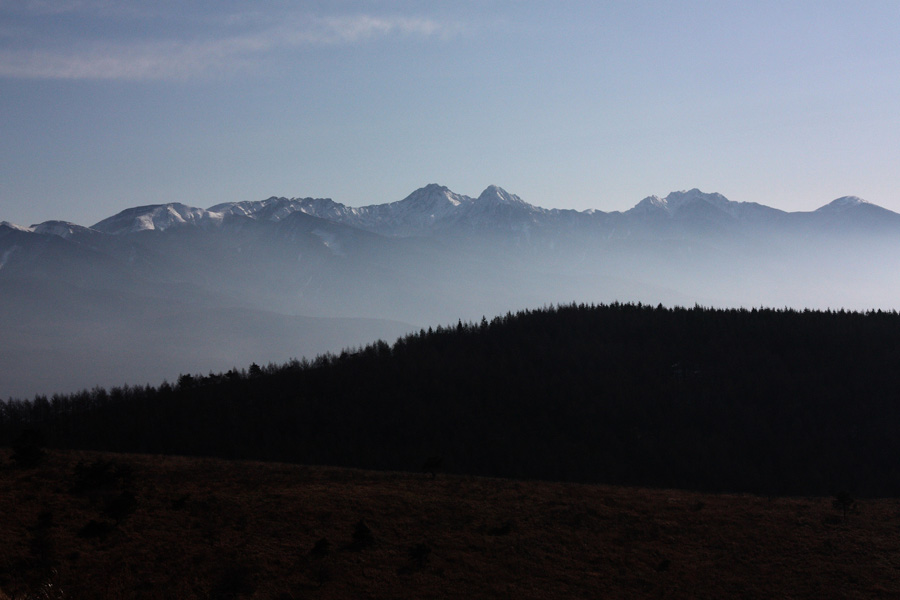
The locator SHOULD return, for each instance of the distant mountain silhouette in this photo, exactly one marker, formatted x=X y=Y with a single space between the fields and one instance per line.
x=107 y=304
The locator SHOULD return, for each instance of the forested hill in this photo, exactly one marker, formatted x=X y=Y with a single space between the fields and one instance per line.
x=770 y=401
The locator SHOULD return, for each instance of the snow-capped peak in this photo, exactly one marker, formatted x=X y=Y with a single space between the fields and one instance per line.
x=63 y=229
x=676 y=201
x=270 y=209
x=414 y=215
x=434 y=198
x=157 y=217
x=648 y=205
x=15 y=227
x=435 y=209
x=842 y=204
x=497 y=195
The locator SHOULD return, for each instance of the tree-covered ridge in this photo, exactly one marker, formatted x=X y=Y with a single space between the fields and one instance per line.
x=774 y=401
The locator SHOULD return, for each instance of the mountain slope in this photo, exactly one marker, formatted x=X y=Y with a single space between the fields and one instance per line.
x=157 y=218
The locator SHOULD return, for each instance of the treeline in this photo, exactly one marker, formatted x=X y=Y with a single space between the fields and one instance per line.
x=767 y=401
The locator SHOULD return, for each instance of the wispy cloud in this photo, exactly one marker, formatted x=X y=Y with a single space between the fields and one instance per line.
x=362 y=27
x=64 y=7
x=139 y=61
x=162 y=59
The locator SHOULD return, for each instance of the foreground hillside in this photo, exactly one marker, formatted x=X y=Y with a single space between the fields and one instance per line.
x=105 y=526
x=764 y=401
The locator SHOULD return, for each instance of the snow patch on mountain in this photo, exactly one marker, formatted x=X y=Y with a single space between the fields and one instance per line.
x=326 y=208
x=330 y=240
x=676 y=202
x=499 y=210
x=279 y=208
x=433 y=201
x=427 y=209
x=415 y=215
x=15 y=227
x=4 y=258
x=497 y=195
x=158 y=217
x=648 y=206
x=435 y=210
x=841 y=204
x=62 y=229
x=270 y=209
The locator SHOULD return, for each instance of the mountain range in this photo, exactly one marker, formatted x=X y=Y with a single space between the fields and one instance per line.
x=435 y=209
x=158 y=290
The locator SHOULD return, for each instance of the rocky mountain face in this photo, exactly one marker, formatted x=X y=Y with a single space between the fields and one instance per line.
x=158 y=290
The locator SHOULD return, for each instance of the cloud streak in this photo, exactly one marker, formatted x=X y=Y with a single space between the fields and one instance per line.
x=364 y=27
x=172 y=59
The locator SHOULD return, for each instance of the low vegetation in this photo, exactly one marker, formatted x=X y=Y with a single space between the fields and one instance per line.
x=209 y=528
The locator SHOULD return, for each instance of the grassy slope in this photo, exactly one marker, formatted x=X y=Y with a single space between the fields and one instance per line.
x=219 y=529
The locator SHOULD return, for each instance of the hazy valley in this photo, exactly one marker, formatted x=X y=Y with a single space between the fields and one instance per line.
x=797 y=405
x=158 y=290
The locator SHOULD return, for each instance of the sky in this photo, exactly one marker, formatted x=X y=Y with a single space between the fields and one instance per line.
x=109 y=104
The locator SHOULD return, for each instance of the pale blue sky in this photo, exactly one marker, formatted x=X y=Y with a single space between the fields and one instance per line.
x=106 y=104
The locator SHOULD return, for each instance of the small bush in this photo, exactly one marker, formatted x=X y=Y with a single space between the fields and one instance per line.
x=419 y=554
x=418 y=559
x=28 y=449
x=504 y=529
x=101 y=475
x=845 y=503
x=362 y=536
x=121 y=506
x=320 y=548
x=41 y=543
x=95 y=529
x=236 y=580
x=432 y=465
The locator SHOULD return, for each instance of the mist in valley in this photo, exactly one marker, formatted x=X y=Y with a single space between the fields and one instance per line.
x=158 y=291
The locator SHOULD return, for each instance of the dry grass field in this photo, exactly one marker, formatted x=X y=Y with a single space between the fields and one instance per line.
x=105 y=526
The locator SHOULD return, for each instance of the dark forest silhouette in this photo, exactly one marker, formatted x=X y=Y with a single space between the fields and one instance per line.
x=762 y=400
